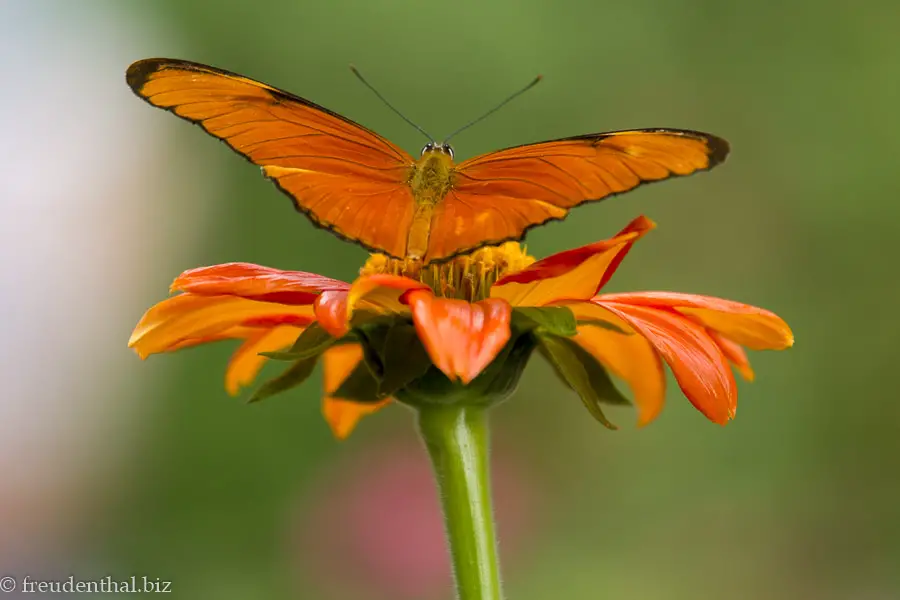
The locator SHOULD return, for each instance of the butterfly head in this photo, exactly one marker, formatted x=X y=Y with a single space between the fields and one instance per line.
x=436 y=147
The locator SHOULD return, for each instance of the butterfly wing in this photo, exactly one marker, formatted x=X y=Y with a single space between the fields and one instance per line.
x=343 y=176
x=498 y=196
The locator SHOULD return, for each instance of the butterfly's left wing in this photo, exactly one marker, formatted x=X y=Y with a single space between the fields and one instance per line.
x=344 y=177
x=498 y=196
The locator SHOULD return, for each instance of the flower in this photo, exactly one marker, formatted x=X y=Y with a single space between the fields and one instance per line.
x=472 y=321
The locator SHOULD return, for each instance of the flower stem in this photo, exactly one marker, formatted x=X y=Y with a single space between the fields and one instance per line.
x=457 y=440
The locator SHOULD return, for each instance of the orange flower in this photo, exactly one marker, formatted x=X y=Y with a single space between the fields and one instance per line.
x=697 y=336
x=399 y=323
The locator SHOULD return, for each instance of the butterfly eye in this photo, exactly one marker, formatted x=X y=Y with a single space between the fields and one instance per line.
x=429 y=147
x=447 y=149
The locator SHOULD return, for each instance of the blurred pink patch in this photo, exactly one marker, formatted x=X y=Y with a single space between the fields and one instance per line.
x=373 y=527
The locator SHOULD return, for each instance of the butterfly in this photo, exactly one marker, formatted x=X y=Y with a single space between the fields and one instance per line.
x=355 y=183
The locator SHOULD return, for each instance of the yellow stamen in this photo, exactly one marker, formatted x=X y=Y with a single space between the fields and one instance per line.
x=465 y=277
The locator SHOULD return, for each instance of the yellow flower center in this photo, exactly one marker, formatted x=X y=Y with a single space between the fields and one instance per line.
x=466 y=277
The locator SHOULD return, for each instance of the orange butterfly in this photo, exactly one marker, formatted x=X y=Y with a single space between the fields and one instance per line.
x=362 y=187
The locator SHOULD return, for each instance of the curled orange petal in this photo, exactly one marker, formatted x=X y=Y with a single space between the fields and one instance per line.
x=255 y=282
x=381 y=293
x=699 y=365
x=340 y=414
x=750 y=326
x=331 y=312
x=576 y=274
x=461 y=338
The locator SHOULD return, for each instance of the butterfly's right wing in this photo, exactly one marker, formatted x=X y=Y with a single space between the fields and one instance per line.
x=343 y=176
x=497 y=197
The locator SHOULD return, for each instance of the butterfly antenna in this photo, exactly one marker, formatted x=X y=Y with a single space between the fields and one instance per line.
x=388 y=104
x=533 y=83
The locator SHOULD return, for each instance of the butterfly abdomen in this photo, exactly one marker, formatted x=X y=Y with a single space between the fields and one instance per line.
x=430 y=182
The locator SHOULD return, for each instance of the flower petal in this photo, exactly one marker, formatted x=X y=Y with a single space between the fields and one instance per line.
x=189 y=316
x=381 y=293
x=246 y=362
x=735 y=355
x=699 y=366
x=629 y=356
x=576 y=274
x=270 y=321
x=232 y=333
x=461 y=338
x=342 y=415
x=750 y=326
x=256 y=282
x=331 y=312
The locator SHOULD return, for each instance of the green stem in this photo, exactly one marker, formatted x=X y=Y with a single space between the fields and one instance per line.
x=457 y=440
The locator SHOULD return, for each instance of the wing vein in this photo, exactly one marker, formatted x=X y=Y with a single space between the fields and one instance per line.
x=515 y=180
x=393 y=154
x=577 y=181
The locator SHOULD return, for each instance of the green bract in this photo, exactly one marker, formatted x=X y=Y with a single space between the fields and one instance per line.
x=396 y=364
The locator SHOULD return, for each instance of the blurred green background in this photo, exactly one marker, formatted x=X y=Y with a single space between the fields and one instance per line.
x=116 y=467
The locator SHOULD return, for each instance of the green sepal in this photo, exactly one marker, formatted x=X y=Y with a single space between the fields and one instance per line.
x=292 y=377
x=558 y=320
x=580 y=371
x=404 y=357
x=604 y=324
x=372 y=341
x=496 y=383
x=365 y=319
x=393 y=357
x=312 y=342
x=359 y=386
